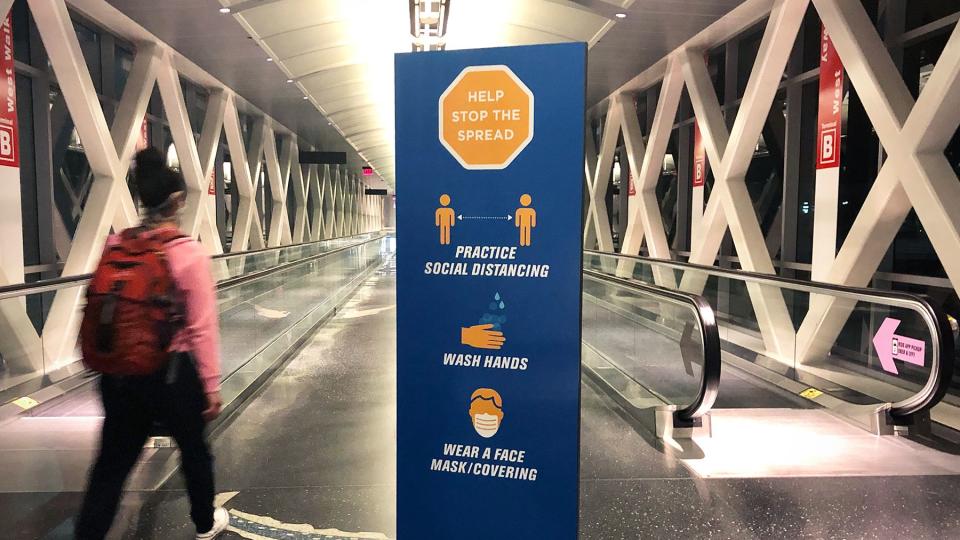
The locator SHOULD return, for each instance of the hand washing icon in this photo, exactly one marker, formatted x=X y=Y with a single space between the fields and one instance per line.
x=488 y=334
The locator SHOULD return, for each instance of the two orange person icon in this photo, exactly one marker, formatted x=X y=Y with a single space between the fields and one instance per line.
x=525 y=219
x=446 y=218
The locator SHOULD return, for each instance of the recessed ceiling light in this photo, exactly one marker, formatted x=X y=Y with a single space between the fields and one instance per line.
x=289 y=80
x=269 y=59
x=621 y=15
x=224 y=10
x=306 y=97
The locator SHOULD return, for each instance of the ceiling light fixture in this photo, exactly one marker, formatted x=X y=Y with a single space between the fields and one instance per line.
x=306 y=98
x=269 y=59
x=289 y=80
x=428 y=24
x=621 y=15
x=224 y=10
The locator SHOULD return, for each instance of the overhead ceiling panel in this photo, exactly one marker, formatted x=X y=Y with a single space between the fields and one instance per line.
x=358 y=124
x=332 y=77
x=338 y=50
x=352 y=103
x=275 y=17
x=341 y=51
x=324 y=94
x=311 y=38
x=322 y=59
x=346 y=118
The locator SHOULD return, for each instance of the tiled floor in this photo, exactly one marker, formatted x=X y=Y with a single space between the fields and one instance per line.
x=315 y=451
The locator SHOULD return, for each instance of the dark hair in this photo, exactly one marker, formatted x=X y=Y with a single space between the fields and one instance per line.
x=154 y=181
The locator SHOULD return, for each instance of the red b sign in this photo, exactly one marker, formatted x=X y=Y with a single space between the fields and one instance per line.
x=829 y=119
x=699 y=157
x=9 y=154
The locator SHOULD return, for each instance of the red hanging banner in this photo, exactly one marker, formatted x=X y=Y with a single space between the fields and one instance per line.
x=829 y=120
x=9 y=143
x=212 y=187
x=631 y=187
x=700 y=163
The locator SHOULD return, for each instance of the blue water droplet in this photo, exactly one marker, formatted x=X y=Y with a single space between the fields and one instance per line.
x=496 y=296
x=501 y=305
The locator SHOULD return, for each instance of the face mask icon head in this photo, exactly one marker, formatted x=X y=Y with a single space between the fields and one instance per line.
x=486 y=411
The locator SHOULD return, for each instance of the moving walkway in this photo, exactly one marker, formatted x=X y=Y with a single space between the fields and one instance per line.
x=270 y=301
x=832 y=346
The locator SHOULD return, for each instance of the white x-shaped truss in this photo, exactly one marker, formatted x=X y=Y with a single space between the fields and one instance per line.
x=108 y=153
x=247 y=232
x=644 y=220
x=278 y=171
x=730 y=206
x=196 y=163
x=336 y=207
x=916 y=174
x=597 y=170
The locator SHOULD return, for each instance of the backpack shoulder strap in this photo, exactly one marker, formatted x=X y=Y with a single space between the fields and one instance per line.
x=166 y=236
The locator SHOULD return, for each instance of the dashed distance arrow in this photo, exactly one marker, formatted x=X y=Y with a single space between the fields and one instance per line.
x=462 y=217
x=254 y=527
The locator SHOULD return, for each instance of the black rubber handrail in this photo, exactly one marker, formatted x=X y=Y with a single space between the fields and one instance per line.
x=231 y=282
x=230 y=255
x=686 y=415
x=48 y=285
x=941 y=365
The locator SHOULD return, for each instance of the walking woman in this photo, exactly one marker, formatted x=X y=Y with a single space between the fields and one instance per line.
x=150 y=328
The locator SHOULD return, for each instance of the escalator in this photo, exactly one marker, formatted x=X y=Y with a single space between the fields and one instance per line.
x=269 y=300
x=800 y=345
x=763 y=415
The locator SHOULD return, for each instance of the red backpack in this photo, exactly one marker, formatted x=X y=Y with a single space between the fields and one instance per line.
x=133 y=306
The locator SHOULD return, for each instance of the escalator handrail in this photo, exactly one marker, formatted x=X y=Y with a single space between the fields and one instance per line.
x=230 y=255
x=941 y=334
x=709 y=338
x=55 y=284
x=226 y=283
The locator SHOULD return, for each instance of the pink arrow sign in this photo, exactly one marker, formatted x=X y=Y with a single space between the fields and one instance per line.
x=892 y=347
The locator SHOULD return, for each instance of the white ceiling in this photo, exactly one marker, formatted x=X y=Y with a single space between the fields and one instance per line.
x=340 y=52
x=346 y=49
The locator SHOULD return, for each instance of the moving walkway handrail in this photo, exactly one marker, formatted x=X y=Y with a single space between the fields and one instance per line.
x=709 y=337
x=66 y=282
x=941 y=364
x=237 y=280
x=231 y=255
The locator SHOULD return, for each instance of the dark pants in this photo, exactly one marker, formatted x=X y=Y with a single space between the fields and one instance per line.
x=173 y=397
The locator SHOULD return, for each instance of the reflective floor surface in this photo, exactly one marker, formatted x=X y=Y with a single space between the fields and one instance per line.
x=312 y=455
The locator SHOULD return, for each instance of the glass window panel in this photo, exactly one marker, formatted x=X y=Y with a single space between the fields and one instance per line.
x=921 y=12
x=90 y=46
x=122 y=65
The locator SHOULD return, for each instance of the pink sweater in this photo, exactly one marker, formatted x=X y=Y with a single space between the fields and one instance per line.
x=190 y=266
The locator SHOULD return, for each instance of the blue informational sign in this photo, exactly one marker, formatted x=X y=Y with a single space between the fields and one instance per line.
x=490 y=172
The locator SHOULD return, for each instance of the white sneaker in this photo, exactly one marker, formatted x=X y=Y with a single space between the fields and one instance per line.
x=221 y=519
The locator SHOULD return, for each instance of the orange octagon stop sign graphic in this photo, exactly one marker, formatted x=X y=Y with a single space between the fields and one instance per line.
x=486 y=117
